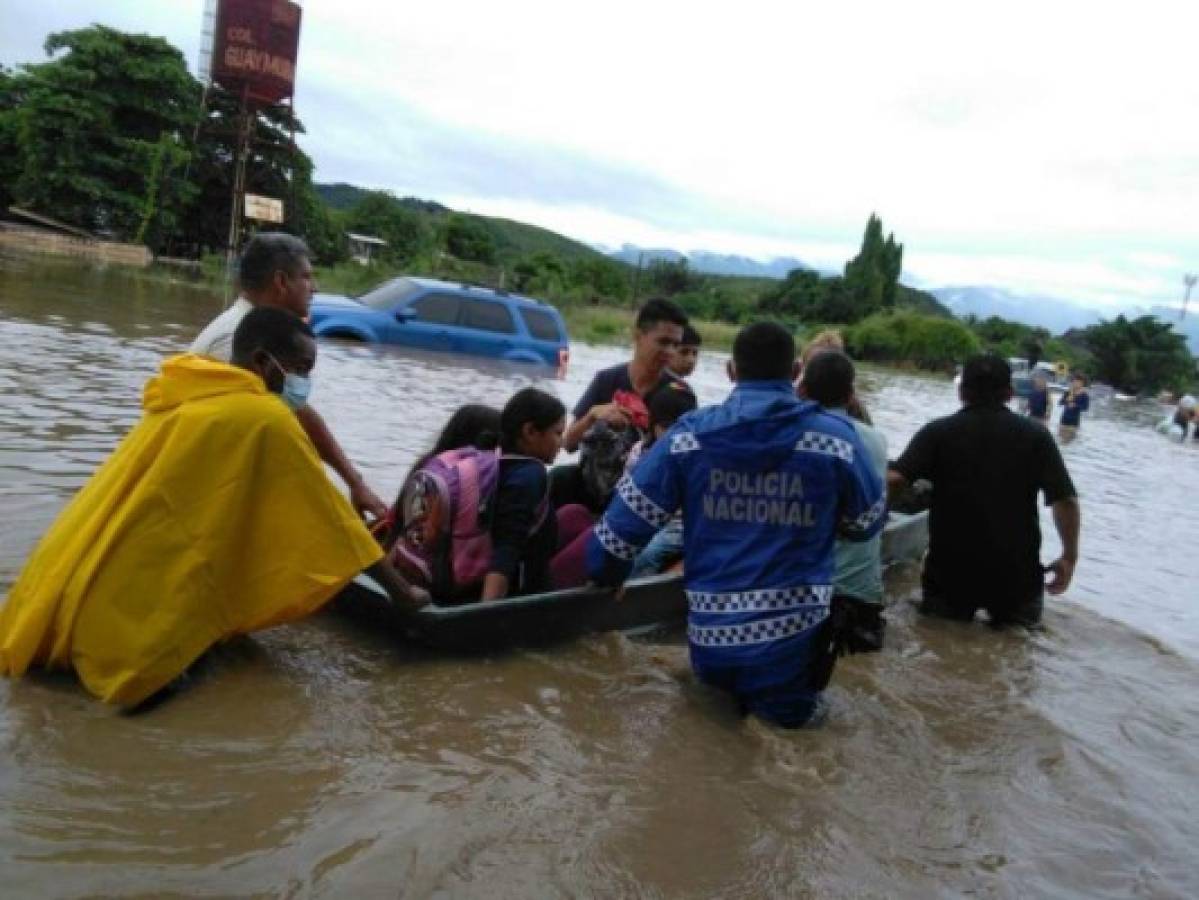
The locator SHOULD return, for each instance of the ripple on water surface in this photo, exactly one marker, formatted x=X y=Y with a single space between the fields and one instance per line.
x=319 y=759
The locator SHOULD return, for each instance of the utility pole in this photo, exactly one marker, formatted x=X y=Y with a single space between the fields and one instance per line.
x=637 y=277
x=1188 y=282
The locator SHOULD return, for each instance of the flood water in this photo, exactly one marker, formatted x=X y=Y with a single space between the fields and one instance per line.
x=317 y=761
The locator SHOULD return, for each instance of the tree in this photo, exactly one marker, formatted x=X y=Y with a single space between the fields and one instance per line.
x=467 y=238
x=669 y=276
x=102 y=132
x=11 y=98
x=380 y=214
x=1139 y=356
x=275 y=167
x=872 y=277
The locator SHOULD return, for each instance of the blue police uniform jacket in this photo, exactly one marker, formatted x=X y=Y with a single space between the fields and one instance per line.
x=765 y=482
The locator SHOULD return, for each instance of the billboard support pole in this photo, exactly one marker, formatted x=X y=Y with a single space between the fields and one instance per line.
x=241 y=153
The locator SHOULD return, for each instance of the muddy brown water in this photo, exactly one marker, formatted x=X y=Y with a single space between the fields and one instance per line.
x=316 y=760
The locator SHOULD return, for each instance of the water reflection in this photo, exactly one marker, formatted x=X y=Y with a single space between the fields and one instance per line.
x=319 y=760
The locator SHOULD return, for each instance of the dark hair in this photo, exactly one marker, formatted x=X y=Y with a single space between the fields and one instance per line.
x=271 y=329
x=764 y=351
x=268 y=253
x=472 y=425
x=828 y=378
x=986 y=380
x=528 y=406
x=691 y=337
x=669 y=402
x=659 y=309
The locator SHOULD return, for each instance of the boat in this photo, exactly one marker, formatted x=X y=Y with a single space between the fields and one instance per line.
x=646 y=604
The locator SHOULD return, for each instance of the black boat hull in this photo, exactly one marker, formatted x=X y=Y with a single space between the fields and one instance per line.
x=538 y=619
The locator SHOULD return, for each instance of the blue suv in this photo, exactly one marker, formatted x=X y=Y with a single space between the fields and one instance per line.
x=456 y=318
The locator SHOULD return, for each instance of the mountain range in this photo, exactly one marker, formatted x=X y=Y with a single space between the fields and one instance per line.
x=1054 y=313
x=710 y=263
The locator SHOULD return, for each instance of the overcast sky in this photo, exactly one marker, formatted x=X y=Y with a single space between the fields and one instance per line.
x=1049 y=147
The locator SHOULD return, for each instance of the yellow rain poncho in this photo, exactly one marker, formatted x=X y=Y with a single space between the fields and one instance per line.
x=214 y=517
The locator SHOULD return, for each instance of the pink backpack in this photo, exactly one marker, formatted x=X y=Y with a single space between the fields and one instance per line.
x=445 y=514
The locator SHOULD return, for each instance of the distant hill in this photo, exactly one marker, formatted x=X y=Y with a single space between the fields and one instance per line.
x=1052 y=313
x=513 y=240
x=344 y=196
x=921 y=301
x=712 y=263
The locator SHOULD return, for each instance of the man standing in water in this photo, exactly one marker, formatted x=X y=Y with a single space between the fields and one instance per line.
x=1074 y=404
x=859 y=581
x=987 y=466
x=275 y=270
x=765 y=482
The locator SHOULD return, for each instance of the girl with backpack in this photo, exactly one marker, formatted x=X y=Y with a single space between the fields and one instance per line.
x=473 y=425
x=475 y=520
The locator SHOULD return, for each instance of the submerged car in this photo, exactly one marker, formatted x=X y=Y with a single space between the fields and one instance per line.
x=456 y=318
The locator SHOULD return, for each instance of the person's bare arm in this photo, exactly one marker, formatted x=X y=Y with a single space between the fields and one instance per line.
x=495 y=586
x=1067 y=519
x=362 y=497
x=896 y=483
x=610 y=412
x=400 y=591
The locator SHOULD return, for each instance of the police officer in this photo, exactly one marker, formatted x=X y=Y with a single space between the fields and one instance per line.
x=765 y=481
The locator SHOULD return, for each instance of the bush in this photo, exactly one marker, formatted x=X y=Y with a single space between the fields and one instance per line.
x=927 y=342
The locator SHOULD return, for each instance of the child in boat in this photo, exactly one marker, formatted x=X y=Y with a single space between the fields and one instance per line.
x=524 y=531
x=473 y=425
x=667 y=405
x=686 y=358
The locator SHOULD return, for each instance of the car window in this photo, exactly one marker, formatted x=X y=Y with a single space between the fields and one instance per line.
x=441 y=309
x=487 y=315
x=542 y=325
x=390 y=294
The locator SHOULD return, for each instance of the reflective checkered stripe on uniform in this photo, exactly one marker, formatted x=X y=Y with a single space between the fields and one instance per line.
x=827 y=444
x=766 y=600
x=760 y=632
x=869 y=517
x=683 y=442
x=640 y=504
x=614 y=543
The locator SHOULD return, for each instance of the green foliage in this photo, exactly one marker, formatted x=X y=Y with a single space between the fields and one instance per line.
x=872 y=277
x=928 y=342
x=1139 y=356
x=381 y=215
x=466 y=237
x=100 y=133
x=11 y=96
x=669 y=277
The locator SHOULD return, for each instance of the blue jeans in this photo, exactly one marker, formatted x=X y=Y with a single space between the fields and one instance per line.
x=665 y=547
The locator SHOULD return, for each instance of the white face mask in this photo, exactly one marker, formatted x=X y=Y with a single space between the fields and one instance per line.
x=296 y=388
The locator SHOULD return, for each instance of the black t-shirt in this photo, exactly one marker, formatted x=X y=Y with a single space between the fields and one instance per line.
x=987 y=466
x=607 y=382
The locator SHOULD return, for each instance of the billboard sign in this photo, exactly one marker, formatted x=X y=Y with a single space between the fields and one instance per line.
x=255 y=48
x=264 y=209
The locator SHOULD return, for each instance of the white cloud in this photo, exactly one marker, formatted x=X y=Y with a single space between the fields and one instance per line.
x=1039 y=146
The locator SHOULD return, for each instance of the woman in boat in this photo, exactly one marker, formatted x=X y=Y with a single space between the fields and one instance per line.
x=524 y=530
x=473 y=425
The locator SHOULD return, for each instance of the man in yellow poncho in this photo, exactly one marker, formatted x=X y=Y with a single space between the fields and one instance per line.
x=212 y=518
